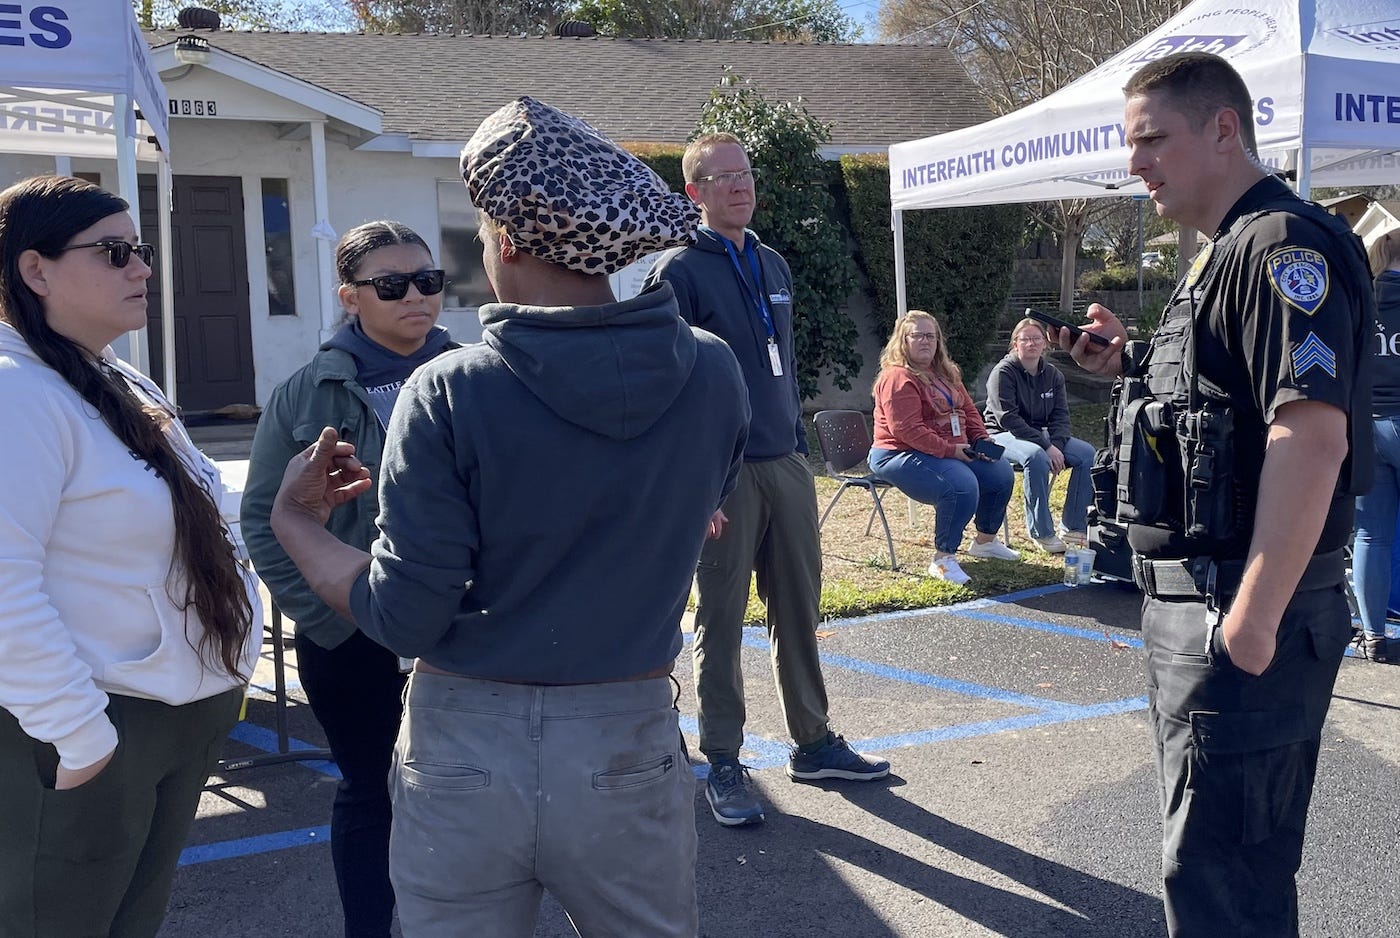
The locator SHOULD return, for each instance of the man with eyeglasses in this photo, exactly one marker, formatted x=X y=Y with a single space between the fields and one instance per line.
x=731 y=284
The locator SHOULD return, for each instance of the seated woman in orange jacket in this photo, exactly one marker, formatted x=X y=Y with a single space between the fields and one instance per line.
x=924 y=423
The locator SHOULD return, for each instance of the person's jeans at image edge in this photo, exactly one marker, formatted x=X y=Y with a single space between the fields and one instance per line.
x=959 y=491
x=1079 y=458
x=1375 y=529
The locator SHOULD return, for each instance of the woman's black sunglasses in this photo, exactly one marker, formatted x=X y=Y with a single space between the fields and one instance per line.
x=395 y=286
x=119 y=252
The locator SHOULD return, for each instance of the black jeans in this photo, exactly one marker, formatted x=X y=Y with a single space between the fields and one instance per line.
x=356 y=692
x=1236 y=758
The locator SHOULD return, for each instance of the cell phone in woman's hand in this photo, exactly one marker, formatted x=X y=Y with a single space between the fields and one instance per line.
x=986 y=449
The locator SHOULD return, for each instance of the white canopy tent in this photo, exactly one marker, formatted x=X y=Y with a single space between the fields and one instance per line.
x=1325 y=75
x=73 y=78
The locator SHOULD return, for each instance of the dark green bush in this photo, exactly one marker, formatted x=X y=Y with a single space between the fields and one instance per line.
x=958 y=261
x=664 y=159
x=1125 y=278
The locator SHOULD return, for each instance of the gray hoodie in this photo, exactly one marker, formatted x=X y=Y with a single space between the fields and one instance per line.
x=544 y=496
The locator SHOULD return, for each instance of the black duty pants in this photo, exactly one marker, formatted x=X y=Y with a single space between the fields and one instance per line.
x=356 y=692
x=1236 y=757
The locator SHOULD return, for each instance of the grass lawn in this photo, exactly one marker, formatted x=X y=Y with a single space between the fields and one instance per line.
x=856 y=575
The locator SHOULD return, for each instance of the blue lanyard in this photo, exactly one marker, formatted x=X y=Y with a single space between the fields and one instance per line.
x=946 y=396
x=754 y=291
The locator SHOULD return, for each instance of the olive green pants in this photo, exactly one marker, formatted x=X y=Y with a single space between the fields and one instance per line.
x=772 y=532
x=97 y=861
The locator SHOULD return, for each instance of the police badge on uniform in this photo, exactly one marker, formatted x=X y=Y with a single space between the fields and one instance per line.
x=1198 y=266
x=1299 y=277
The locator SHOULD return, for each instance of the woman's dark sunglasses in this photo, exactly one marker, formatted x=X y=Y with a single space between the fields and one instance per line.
x=395 y=286
x=119 y=252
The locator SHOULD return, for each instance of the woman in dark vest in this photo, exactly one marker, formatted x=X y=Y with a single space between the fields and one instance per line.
x=392 y=294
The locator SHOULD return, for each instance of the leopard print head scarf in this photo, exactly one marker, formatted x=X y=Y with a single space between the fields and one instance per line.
x=567 y=194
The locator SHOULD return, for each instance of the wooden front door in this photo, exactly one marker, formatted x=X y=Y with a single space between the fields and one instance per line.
x=213 y=331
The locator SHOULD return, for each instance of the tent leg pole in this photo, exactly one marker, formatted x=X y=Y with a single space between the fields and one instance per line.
x=164 y=182
x=900 y=295
x=127 y=188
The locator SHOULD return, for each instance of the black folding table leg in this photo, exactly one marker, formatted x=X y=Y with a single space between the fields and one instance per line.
x=284 y=751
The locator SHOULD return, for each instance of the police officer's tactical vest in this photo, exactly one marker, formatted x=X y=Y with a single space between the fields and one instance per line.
x=1170 y=459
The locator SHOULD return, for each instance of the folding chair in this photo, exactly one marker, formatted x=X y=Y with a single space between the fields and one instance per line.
x=845 y=443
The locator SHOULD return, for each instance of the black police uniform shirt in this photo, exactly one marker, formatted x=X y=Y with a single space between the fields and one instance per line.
x=1284 y=294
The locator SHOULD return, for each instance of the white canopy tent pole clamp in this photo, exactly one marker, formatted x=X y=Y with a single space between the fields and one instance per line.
x=164 y=184
x=128 y=188
x=901 y=298
x=320 y=198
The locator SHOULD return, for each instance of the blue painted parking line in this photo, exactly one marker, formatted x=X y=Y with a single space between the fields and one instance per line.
x=952 y=685
x=250 y=734
x=1093 y=635
x=1062 y=714
x=248 y=846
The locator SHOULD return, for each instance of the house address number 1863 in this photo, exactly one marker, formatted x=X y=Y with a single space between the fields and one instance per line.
x=193 y=107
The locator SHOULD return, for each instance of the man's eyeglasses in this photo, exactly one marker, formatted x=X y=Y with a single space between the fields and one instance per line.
x=119 y=252
x=922 y=336
x=395 y=286
x=732 y=179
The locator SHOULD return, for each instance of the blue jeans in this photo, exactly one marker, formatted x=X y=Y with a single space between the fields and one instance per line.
x=1375 y=529
x=958 y=490
x=1035 y=463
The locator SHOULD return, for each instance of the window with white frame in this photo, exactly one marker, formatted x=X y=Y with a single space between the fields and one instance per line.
x=458 y=225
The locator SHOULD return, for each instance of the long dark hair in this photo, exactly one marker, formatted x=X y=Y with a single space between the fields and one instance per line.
x=43 y=214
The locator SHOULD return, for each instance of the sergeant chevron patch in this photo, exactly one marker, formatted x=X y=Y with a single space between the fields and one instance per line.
x=1313 y=352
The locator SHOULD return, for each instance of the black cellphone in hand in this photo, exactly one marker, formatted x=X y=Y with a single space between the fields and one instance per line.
x=987 y=450
x=1058 y=323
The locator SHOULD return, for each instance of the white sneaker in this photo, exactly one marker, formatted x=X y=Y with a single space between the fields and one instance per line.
x=946 y=568
x=1077 y=538
x=1051 y=544
x=992 y=550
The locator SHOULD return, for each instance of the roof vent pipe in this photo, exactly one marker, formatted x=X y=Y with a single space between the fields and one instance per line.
x=198 y=18
x=576 y=29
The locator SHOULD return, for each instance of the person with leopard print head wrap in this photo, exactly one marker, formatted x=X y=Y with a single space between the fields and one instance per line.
x=544 y=496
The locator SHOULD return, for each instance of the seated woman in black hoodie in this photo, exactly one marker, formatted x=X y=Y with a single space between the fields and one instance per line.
x=1027 y=413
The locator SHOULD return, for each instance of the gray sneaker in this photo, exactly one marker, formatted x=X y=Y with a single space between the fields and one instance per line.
x=727 y=791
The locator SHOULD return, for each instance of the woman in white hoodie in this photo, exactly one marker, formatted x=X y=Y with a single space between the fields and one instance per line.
x=128 y=628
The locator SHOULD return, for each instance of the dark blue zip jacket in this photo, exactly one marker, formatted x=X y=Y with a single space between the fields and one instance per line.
x=711 y=296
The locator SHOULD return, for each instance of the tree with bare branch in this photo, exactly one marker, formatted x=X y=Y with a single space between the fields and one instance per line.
x=1019 y=51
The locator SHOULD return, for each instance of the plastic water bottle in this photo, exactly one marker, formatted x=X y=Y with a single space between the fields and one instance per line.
x=1071 y=566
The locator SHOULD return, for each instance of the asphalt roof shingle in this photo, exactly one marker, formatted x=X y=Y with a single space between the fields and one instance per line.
x=440 y=87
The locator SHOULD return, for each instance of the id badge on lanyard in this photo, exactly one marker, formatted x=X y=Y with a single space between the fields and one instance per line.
x=756 y=296
x=954 y=418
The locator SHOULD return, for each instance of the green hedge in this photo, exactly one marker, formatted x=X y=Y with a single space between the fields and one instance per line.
x=1125 y=278
x=664 y=159
x=958 y=261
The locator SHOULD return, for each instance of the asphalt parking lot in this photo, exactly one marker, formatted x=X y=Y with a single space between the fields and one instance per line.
x=1022 y=800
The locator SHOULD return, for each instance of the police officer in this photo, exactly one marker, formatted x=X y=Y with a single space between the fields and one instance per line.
x=1234 y=472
